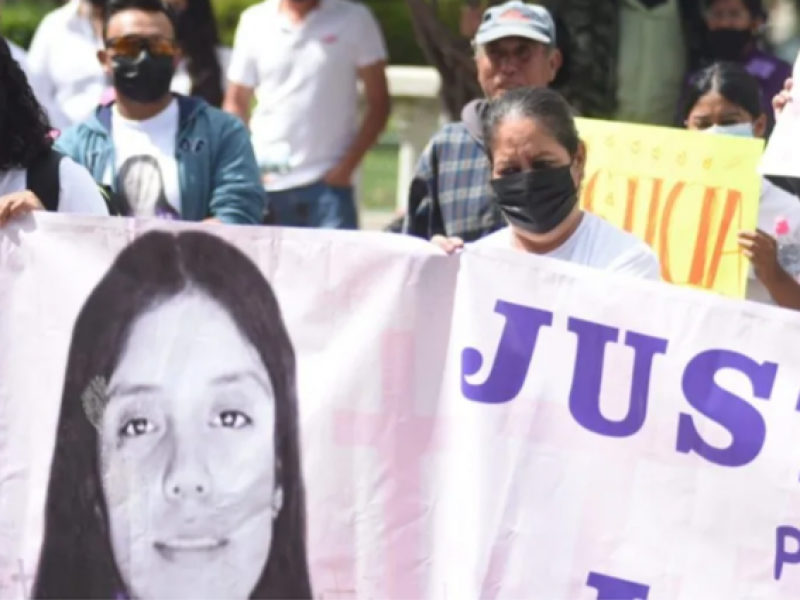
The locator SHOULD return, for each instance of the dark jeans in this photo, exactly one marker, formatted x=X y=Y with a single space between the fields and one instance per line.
x=317 y=205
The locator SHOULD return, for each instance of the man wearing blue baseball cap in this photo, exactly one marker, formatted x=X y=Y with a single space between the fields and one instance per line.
x=515 y=46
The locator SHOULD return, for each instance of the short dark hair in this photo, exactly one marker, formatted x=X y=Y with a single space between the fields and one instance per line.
x=114 y=7
x=729 y=80
x=539 y=104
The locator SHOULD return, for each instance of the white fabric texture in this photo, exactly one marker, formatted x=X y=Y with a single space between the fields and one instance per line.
x=777 y=204
x=598 y=244
x=79 y=192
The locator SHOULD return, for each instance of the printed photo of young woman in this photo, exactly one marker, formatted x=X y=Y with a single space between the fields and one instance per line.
x=176 y=471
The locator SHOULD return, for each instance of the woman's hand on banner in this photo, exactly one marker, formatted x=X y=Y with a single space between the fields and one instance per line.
x=448 y=244
x=780 y=101
x=762 y=251
x=18 y=204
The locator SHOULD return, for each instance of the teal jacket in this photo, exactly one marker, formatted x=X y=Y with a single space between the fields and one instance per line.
x=217 y=168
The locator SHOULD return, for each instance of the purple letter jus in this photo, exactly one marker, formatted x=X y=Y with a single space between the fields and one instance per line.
x=514 y=355
x=611 y=588
x=518 y=343
x=745 y=423
x=584 y=398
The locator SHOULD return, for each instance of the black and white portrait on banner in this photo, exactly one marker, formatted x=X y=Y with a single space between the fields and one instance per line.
x=176 y=470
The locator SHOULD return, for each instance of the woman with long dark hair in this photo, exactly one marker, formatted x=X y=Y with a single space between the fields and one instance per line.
x=724 y=99
x=32 y=176
x=176 y=471
x=198 y=38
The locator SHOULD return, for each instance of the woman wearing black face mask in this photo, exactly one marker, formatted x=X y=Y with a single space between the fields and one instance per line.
x=537 y=162
x=732 y=36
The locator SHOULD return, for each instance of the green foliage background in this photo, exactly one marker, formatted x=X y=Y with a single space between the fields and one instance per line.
x=20 y=18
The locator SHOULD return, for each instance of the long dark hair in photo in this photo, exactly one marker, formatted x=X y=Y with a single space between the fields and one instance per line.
x=24 y=126
x=76 y=559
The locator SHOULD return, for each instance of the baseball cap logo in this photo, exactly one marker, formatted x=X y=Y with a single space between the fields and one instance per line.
x=513 y=14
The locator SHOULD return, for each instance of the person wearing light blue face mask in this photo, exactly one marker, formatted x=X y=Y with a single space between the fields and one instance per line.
x=735 y=129
x=726 y=100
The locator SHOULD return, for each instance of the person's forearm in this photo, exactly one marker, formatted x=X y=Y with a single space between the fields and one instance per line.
x=370 y=131
x=237 y=110
x=785 y=291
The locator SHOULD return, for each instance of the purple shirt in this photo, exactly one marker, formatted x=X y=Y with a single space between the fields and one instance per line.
x=771 y=73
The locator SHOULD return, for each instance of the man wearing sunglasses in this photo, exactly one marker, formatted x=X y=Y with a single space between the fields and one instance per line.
x=164 y=155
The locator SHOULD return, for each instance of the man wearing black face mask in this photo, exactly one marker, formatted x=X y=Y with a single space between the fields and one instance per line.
x=733 y=27
x=164 y=155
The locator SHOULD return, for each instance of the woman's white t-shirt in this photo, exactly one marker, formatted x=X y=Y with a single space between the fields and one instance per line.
x=79 y=193
x=777 y=204
x=599 y=244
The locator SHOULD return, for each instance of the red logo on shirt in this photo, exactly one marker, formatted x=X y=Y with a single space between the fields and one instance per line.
x=329 y=39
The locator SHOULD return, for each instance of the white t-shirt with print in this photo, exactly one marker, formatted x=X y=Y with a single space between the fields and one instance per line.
x=147 y=171
x=598 y=244
x=306 y=81
x=777 y=204
x=78 y=193
x=63 y=60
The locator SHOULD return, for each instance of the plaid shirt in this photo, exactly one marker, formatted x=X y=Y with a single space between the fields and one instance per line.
x=450 y=190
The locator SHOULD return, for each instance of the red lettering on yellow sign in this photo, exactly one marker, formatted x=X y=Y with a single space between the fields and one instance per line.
x=691 y=226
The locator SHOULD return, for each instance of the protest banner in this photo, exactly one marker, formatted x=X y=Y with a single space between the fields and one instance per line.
x=613 y=438
x=687 y=194
x=360 y=312
x=488 y=425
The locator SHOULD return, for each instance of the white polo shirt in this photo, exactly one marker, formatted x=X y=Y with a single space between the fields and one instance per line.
x=63 y=60
x=306 y=81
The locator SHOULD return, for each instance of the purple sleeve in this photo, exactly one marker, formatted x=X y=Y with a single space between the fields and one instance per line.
x=771 y=73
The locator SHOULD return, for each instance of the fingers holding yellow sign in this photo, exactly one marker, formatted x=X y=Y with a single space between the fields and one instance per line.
x=686 y=194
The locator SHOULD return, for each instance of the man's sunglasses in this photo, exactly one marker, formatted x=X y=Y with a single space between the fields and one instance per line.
x=131 y=46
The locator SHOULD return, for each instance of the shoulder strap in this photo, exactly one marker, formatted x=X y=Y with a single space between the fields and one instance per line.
x=435 y=218
x=434 y=224
x=43 y=178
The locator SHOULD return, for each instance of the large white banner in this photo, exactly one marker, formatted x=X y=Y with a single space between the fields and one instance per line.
x=220 y=412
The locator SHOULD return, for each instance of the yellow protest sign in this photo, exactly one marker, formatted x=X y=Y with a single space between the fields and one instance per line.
x=686 y=194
